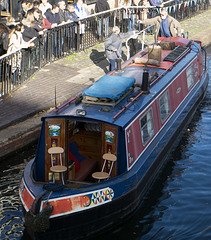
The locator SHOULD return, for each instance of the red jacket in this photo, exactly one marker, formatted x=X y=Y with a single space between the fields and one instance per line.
x=46 y=24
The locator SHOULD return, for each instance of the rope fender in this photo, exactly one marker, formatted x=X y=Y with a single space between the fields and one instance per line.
x=38 y=221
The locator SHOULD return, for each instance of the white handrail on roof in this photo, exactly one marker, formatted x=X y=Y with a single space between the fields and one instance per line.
x=135 y=36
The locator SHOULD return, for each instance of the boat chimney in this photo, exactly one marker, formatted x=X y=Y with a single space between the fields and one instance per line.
x=145 y=82
x=118 y=63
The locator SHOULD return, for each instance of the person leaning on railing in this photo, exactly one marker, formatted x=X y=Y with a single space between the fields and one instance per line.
x=144 y=12
x=44 y=6
x=40 y=19
x=81 y=10
x=166 y=26
x=52 y=15
x=62 y=9
x=4 y=32
x=30 y=30
x=70 y=13
x=128 y=16
x=72 y=17
x=16 y=43
x=101 y=6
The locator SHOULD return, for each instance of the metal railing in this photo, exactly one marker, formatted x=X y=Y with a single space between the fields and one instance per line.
x=133 y=39
x=67 y=38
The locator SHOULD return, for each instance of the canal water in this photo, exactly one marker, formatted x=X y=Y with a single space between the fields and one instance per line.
x=177 y=207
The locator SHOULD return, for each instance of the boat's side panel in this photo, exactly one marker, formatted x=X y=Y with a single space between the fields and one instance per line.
x=156 y=153
x=133 y=134
x=178 y=92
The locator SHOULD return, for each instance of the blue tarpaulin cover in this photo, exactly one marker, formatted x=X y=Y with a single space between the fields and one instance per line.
x=112 y=87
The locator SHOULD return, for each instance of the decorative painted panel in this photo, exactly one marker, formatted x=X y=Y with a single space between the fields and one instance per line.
x=80 y=202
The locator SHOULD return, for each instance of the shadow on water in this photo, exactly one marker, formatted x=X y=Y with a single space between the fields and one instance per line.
x=21 y=156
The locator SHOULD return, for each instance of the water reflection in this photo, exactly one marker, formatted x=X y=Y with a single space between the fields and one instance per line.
x=11 y=216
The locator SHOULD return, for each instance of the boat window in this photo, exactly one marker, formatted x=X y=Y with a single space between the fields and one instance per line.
x=147 y=126
x=164 y=104
x=190 y=77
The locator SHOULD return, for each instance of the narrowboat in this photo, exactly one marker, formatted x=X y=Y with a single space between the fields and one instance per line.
x=100 y=152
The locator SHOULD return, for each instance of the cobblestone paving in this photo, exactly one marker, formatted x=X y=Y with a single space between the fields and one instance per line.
x=197 y=24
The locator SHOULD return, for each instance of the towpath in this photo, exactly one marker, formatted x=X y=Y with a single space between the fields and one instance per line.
x=21 y=112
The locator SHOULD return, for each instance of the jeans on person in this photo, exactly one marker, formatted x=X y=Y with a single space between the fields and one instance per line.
x=72 y=37
x=14 y=76
x=131 y=24
x=112 y=66
x=106 y=26
x=55 y=44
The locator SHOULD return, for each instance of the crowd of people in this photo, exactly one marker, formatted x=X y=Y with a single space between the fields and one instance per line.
x=34 y=17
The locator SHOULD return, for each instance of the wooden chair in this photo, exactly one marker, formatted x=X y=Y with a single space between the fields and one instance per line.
x=57 y=168
x=104 y=175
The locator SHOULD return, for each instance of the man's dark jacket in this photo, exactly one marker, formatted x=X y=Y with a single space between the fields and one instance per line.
x=29 y=33
x=52 y=18
x=101 y=5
